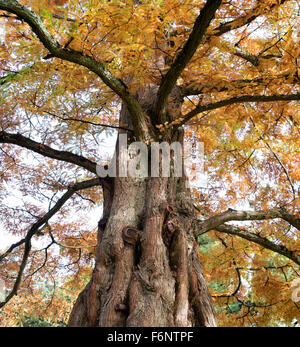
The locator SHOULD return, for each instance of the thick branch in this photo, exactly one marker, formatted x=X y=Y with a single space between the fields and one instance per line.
x=236 y=100
x=239 y=22
x=47 y=151
x=255 y=60
x=11 y=248
x=217 y=223
x=234 y=215
x=242 y=53
x=10 y=76
x=56 y=50
x=199 y=30
x=37 y=225
x=233 y=230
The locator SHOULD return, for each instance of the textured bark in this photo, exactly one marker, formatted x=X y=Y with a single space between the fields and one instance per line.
x=155 y=280
x=148 y=271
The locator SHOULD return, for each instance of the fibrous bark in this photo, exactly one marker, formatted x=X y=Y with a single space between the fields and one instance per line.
x=155 y=280
x=148 y=271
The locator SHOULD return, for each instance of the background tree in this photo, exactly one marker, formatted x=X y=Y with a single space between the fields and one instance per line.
x=224 y=73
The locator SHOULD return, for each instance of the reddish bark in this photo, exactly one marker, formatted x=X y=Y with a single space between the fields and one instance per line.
x=148 y=271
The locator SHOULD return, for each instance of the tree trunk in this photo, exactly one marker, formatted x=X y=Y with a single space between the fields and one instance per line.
x=147 y=270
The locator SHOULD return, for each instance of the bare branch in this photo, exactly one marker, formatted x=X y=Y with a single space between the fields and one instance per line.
x=68 y=19
x=47 y=151
x=45 y=259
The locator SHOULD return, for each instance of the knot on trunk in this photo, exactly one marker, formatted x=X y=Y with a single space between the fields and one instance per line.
x=131 y=235
x=169 y=230
x=121 y=308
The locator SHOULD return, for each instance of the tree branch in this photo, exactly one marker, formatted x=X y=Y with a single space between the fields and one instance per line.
x=201 y=24
x=242 y=53
x=255 y=60
x=12 y=75
x=234 y=230
x=236 y=100
x=234 y=215
x=47 y=151
x=70 y=119
x=37 y=225
x=217 y=223
x=239 y=22
x=56 y=50
x=11 y=248
x=66 y=246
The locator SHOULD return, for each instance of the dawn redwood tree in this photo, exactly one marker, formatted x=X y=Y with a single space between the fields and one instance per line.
x=221 y=72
